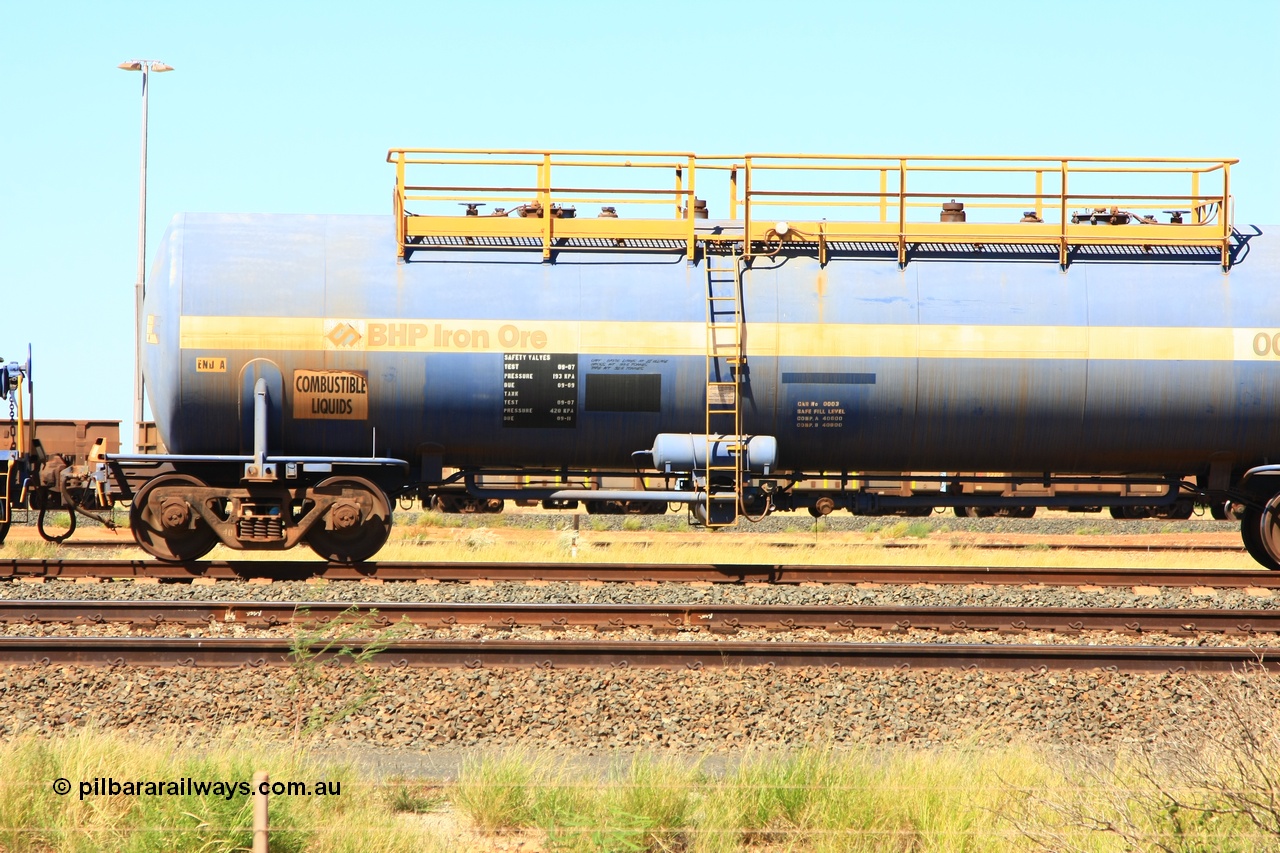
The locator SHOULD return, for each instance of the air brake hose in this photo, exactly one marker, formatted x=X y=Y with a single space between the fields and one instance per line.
x=73 y=508
x=44 y=508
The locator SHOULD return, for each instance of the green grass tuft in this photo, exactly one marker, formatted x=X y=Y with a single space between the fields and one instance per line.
x=34 y=819
x=28 y=549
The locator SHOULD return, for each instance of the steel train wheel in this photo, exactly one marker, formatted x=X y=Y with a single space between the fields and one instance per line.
x=1224 y=511
x=357 y=525
x=161 y=529
x=1180 y=511
x=1260 y=531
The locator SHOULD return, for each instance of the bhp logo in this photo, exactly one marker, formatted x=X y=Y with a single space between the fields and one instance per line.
x=344 y=335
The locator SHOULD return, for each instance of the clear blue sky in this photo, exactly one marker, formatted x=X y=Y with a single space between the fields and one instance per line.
x=290 y=107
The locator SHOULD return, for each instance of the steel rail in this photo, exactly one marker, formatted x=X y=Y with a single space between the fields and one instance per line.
x=632 y=572
x=1121 y=548
x=716 y=618
x=133 y=651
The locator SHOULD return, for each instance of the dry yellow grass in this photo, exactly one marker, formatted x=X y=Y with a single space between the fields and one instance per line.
x=500 y=543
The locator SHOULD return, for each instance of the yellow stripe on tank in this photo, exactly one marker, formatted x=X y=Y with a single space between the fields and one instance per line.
x=804 y=340
x=250 y=333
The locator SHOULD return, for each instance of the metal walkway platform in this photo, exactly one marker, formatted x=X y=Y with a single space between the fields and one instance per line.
x=872 y=206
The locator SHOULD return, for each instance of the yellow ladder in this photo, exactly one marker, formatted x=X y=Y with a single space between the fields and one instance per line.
x=725 y=360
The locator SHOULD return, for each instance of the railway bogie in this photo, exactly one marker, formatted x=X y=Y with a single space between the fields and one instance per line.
x=178 y=517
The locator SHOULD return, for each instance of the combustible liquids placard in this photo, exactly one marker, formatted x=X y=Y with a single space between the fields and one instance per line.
x=336 y=395
x=539 y=389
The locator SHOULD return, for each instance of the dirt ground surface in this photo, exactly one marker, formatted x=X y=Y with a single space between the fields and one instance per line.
x=1228 y=537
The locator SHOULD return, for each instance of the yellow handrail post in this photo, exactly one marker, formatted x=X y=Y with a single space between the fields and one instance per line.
x=1225 y=212
x=1062 y=200
x=902 y=213
x=679 y=188
x=544 y=198
x=746 y=211
x=733 y=192
x=1040 y=194
x=884 y=195
x=689 y=206
x=1195 y=197
x=399 y=205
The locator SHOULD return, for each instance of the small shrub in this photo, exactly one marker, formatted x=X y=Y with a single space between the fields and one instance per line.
x=413 y=796
x=1210 y=789
x=349 y=636
x=918 y=529
x=897 y=530
x=632 y=523
x=479 y=539
x=497 y=793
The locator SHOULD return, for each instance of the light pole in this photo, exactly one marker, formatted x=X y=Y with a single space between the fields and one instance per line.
x=145 y=66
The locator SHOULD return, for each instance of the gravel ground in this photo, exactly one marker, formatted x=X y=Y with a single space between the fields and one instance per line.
x=620 y=709
x=612 y=709
x=615 y=709
x=919 y=595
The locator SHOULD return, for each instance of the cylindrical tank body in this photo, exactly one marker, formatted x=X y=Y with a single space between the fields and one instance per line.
x=499 y=359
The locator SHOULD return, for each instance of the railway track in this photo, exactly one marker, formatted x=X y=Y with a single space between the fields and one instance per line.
x=258 y=652
x=480 y=652
x=633 y=572
x=715 y=618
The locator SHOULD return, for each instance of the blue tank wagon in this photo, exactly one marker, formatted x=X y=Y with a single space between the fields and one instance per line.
x=305 y=370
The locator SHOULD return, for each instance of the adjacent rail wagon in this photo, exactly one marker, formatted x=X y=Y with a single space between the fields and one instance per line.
x=50 y=464
x=527 y=321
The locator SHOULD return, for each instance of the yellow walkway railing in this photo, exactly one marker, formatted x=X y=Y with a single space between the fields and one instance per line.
x=651 y=201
